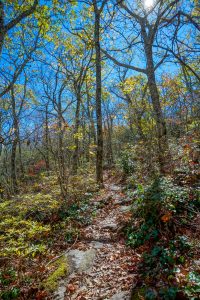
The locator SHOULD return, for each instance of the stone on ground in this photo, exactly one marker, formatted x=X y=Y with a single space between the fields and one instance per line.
x=81 y=261
x=111 y=226
x=125 y=208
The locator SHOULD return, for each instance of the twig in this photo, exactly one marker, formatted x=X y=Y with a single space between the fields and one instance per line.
x=57 y=257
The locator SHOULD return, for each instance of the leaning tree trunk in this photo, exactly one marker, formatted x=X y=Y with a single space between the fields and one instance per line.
x=99 y=155
x=163 y=149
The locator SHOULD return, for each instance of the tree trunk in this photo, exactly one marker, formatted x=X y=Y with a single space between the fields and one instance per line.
x=99 y=155
x=130 y=118
x=14 y=144
x=13 y=166
x=47 y=161
x=163 y=148
x=91 y=117
x=20 y=153
x=76 y=129
x=139 y=126
x=109 y=127
x=61 y=159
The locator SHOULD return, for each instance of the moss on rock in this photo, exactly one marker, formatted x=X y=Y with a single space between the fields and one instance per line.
x=60 y=267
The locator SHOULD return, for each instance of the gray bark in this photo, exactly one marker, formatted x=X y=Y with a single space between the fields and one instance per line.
x=99 y=155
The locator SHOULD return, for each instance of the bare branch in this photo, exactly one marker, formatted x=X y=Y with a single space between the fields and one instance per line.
x=123 y=64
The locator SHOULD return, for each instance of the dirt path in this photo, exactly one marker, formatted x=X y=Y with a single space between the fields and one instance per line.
x=103 y=267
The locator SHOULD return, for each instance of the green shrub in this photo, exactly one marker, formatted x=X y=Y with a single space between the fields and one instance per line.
x=127 y=161
x=161 y=209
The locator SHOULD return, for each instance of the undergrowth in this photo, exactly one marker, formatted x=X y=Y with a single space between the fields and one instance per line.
x=165 y=224
x=36 y=225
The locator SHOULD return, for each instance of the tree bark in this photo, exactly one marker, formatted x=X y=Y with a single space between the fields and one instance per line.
x=76 y=129
x=14 y=144
x=99 y=155
x=47 y=160
x=91 y=117
x=163 y=148
x=109 y=142
x=61 y=159
x=20 y=153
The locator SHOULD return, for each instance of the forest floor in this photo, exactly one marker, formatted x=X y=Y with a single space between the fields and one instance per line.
x=78 y=248
x=53 y=250
x=103 y=266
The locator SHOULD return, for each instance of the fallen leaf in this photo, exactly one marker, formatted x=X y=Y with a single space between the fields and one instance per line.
x=41 y=295
x=71 y=288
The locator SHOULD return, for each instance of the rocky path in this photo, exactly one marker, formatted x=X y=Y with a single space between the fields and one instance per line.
x=101 y=265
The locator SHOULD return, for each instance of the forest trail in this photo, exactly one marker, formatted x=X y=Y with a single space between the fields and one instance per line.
x=102 y=266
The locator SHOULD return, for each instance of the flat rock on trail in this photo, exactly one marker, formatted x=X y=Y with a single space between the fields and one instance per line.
x=102 y=267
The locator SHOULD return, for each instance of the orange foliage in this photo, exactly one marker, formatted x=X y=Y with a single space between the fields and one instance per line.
x=166 y=217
